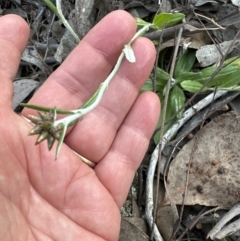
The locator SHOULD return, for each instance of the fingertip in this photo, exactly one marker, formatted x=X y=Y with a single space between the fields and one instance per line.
x=112 y=33
x=121 y=17
x=14 y=29
x=14 y=34
x=154 y=106
x=145 y=113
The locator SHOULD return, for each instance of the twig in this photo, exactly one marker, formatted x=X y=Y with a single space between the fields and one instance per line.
x=195 y=220
x=166 y=167
x=168 y=86
x=212 y=20
x=187 y=182
x=156 y=64
x=217 y=233
x=48 y=34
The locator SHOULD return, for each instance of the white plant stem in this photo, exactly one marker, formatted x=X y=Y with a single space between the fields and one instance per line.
x=64 y=21
x=79 y=113
x=126 y=52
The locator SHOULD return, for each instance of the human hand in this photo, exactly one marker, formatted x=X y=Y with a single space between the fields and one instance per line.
x=43 y=199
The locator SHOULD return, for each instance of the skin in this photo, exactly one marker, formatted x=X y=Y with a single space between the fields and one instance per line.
x=66 y=200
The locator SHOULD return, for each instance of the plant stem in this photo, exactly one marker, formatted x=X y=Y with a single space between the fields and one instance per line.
x=92 y=103
x=65 y=22
x=99 y=93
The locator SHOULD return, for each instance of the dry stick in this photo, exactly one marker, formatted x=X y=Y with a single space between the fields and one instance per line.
x=216 y=232
x=163 y=120
x=48 y=34
x=187 y=179
x=210 y=19
x=172 y=203
x=154 y=89
x=64 y=21
x=195 y=220
x=156 y=63
x=209 y=35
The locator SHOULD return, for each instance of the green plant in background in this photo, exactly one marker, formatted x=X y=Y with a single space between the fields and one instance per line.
x=185 y=80
x=162 y=20
x=227 y=79
x=176 y=96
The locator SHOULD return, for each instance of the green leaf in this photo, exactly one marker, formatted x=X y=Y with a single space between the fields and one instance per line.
x=148 y=85
x=234 y=61
x=175 y=102
x=192 y=86
x=177 y=17
x=176 y=99
x=184 y=63
x=53 y=8
x=220 y=79
x=232 y=80
x=169 y=113
x=129 y=54
x=161 y=81
x=189 y=76
x=162 y=75
x=167 y=19
x=141 y=23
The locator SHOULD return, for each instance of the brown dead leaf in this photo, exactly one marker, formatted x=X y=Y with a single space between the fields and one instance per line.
x=133 y=229
x=214 y=173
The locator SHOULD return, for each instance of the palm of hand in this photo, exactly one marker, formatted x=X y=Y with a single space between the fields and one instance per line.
x=43 y=199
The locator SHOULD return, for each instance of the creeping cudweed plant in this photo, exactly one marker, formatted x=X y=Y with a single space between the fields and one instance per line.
x=46 y=124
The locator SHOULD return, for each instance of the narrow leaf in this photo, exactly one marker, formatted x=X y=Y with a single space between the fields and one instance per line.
x=221 y=78
x=234 y=61
x=129 y=54
x=46 y=109
x=60 y=141
x=176 y=18
x=50 y=142
x=192 y=86
x=161 y=81
x=92 y=99
x=168 y=123
x=53 y=8
x=184 y=63
x=189 y=76
x=161 y=19
x=232 y=80
x=167 y=19
x=43 y=136
x=176 y=99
